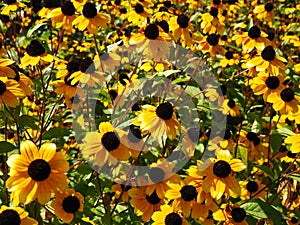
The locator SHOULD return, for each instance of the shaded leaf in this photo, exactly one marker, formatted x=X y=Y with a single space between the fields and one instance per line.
x=6 y=147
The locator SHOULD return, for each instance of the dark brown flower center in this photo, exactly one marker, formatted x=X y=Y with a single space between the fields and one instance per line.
x=254 y=32
x=173 y=219
x=151 y=31
x=125 y=186
x=68 y=8
x=113 y=94
x=10 y=217
x=71 y=204
x=291 y=155
x=153 y=199
x=213 y=12
x=35 y=48
x=194 y=134
x=87 y=66
x=134 y=134
x=229 y=55
x=287 y=95
x=68 y=81
x=73 y=66
x=89 y=10
x=231 y=103
x=253 y=137
x=222 y=90
x=221 y=169
x=51 y=4
x=252 y=186
x=139 y=8
x=2 y=87
x=272 y=82
x=269 y=7
x=123 y=10
x=183 y=21
x=238 y=214
x=188 y=193
x=165 y=111
x=268 y=53
x=123 y=78
x=294 y=220
x=167 y=4
x=39 y=170
x=110 y=141
x=216 y=2
x=156 y=174
x=164 y=25
x=213 y=39
x=227 y=135
x=8 y=2
x=271 y=35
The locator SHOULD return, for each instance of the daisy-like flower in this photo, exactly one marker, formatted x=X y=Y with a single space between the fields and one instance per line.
x=219 y=174
x=252 y=142
x=106 y=146
x=229 y=106
x=232 y=215
x=66 y=204
x=182 y=28
x=211 y=43
x=267 y=59
x=91 y=19
x=35 y=174
x=254 y=38
x=252 y=189
x=24 y=82
x=65 y=69
x=266 y=84
x=265 y=12
x=15 y=216
x=65 y=86
x=294 y=140
x=10 y=92
x=219 y=143
x=138 y=14
x=212 y=22
x=144 y=205
x=229 y=59
x=293 y=221
x=158 y=121
x=285 y=101
x=168 y=216
x=6 y=71
x=63 y=16
x=35 y=52
x=121 y=188
x=11 y=6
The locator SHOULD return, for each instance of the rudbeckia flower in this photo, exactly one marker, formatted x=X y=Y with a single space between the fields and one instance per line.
x=212 y=22
x=121 y=189
x=66 y=204
x=285 y=101
x=91 y=19
x=24 y=82
x=229 y=106
x=266 y=84
x=106 y=146
x=12 y=6
x=35 y=52
x=168 y=216
x=158 y=121
x=138 y=14
x=252 y=189
x=65 y=86
x=63 y=16
x=265 y=12
x=15 y=216
x=232 y=215
x=211 y=43
x=48 y=6
x=254 y=38
x=229 y=59
x=35 y=174
x=220 y=175
x=252 y=143
x=267 y=60
x=144 y=205
x=6 y=71
x=181 y=27
x=295 y=141
x=10 y=92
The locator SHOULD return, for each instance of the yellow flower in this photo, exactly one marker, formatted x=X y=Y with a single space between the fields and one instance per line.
x=295 y=141
x=168 y=215
x=182 y=28
x=265 y=12
x=6 y=71
x=232 y=215
x=15 y=215
x=66 y=204
x=252 y=189
x=10 y=92
x=229 y=106
x=35 y=174
x=12 y=6
x=212 y=22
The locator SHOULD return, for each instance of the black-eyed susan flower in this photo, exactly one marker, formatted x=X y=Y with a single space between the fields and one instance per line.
x=211 y=44
x=252 y=141
x=254 y=38
x=65 y=86
x=252 y=189
x=294 y=140
x=25 y=83
x=11 y=6
x=35 y=52
x=219 y=174
x=91 y=19
x=10 y=92
x=284 y=101
x=229 y=59
x=293 y=221
x=265 y=12
x=231 y=215
x=121 y=189
x=48 y=6
x=67 y=68
x=229 y=106
x=63 y=16
x=106 y=146
x=158 y=121
x=181 y=27
x=138 y=14
x=212 y=22
x=66 y=204
x=35 y=174
x=144 y=205
x=15 y=216
x=168 y=216
x=267 y=59
x=266 y=84
x=5 y=70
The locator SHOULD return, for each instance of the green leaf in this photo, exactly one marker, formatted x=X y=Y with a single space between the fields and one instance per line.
x=276 y=141
x=6 y=147
x=284 y=131
x=243 y=151
x=33 y=29
x=28 y=121
x=259 y=209
x=56 y=132
x=266 y=170
x=294 y=176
